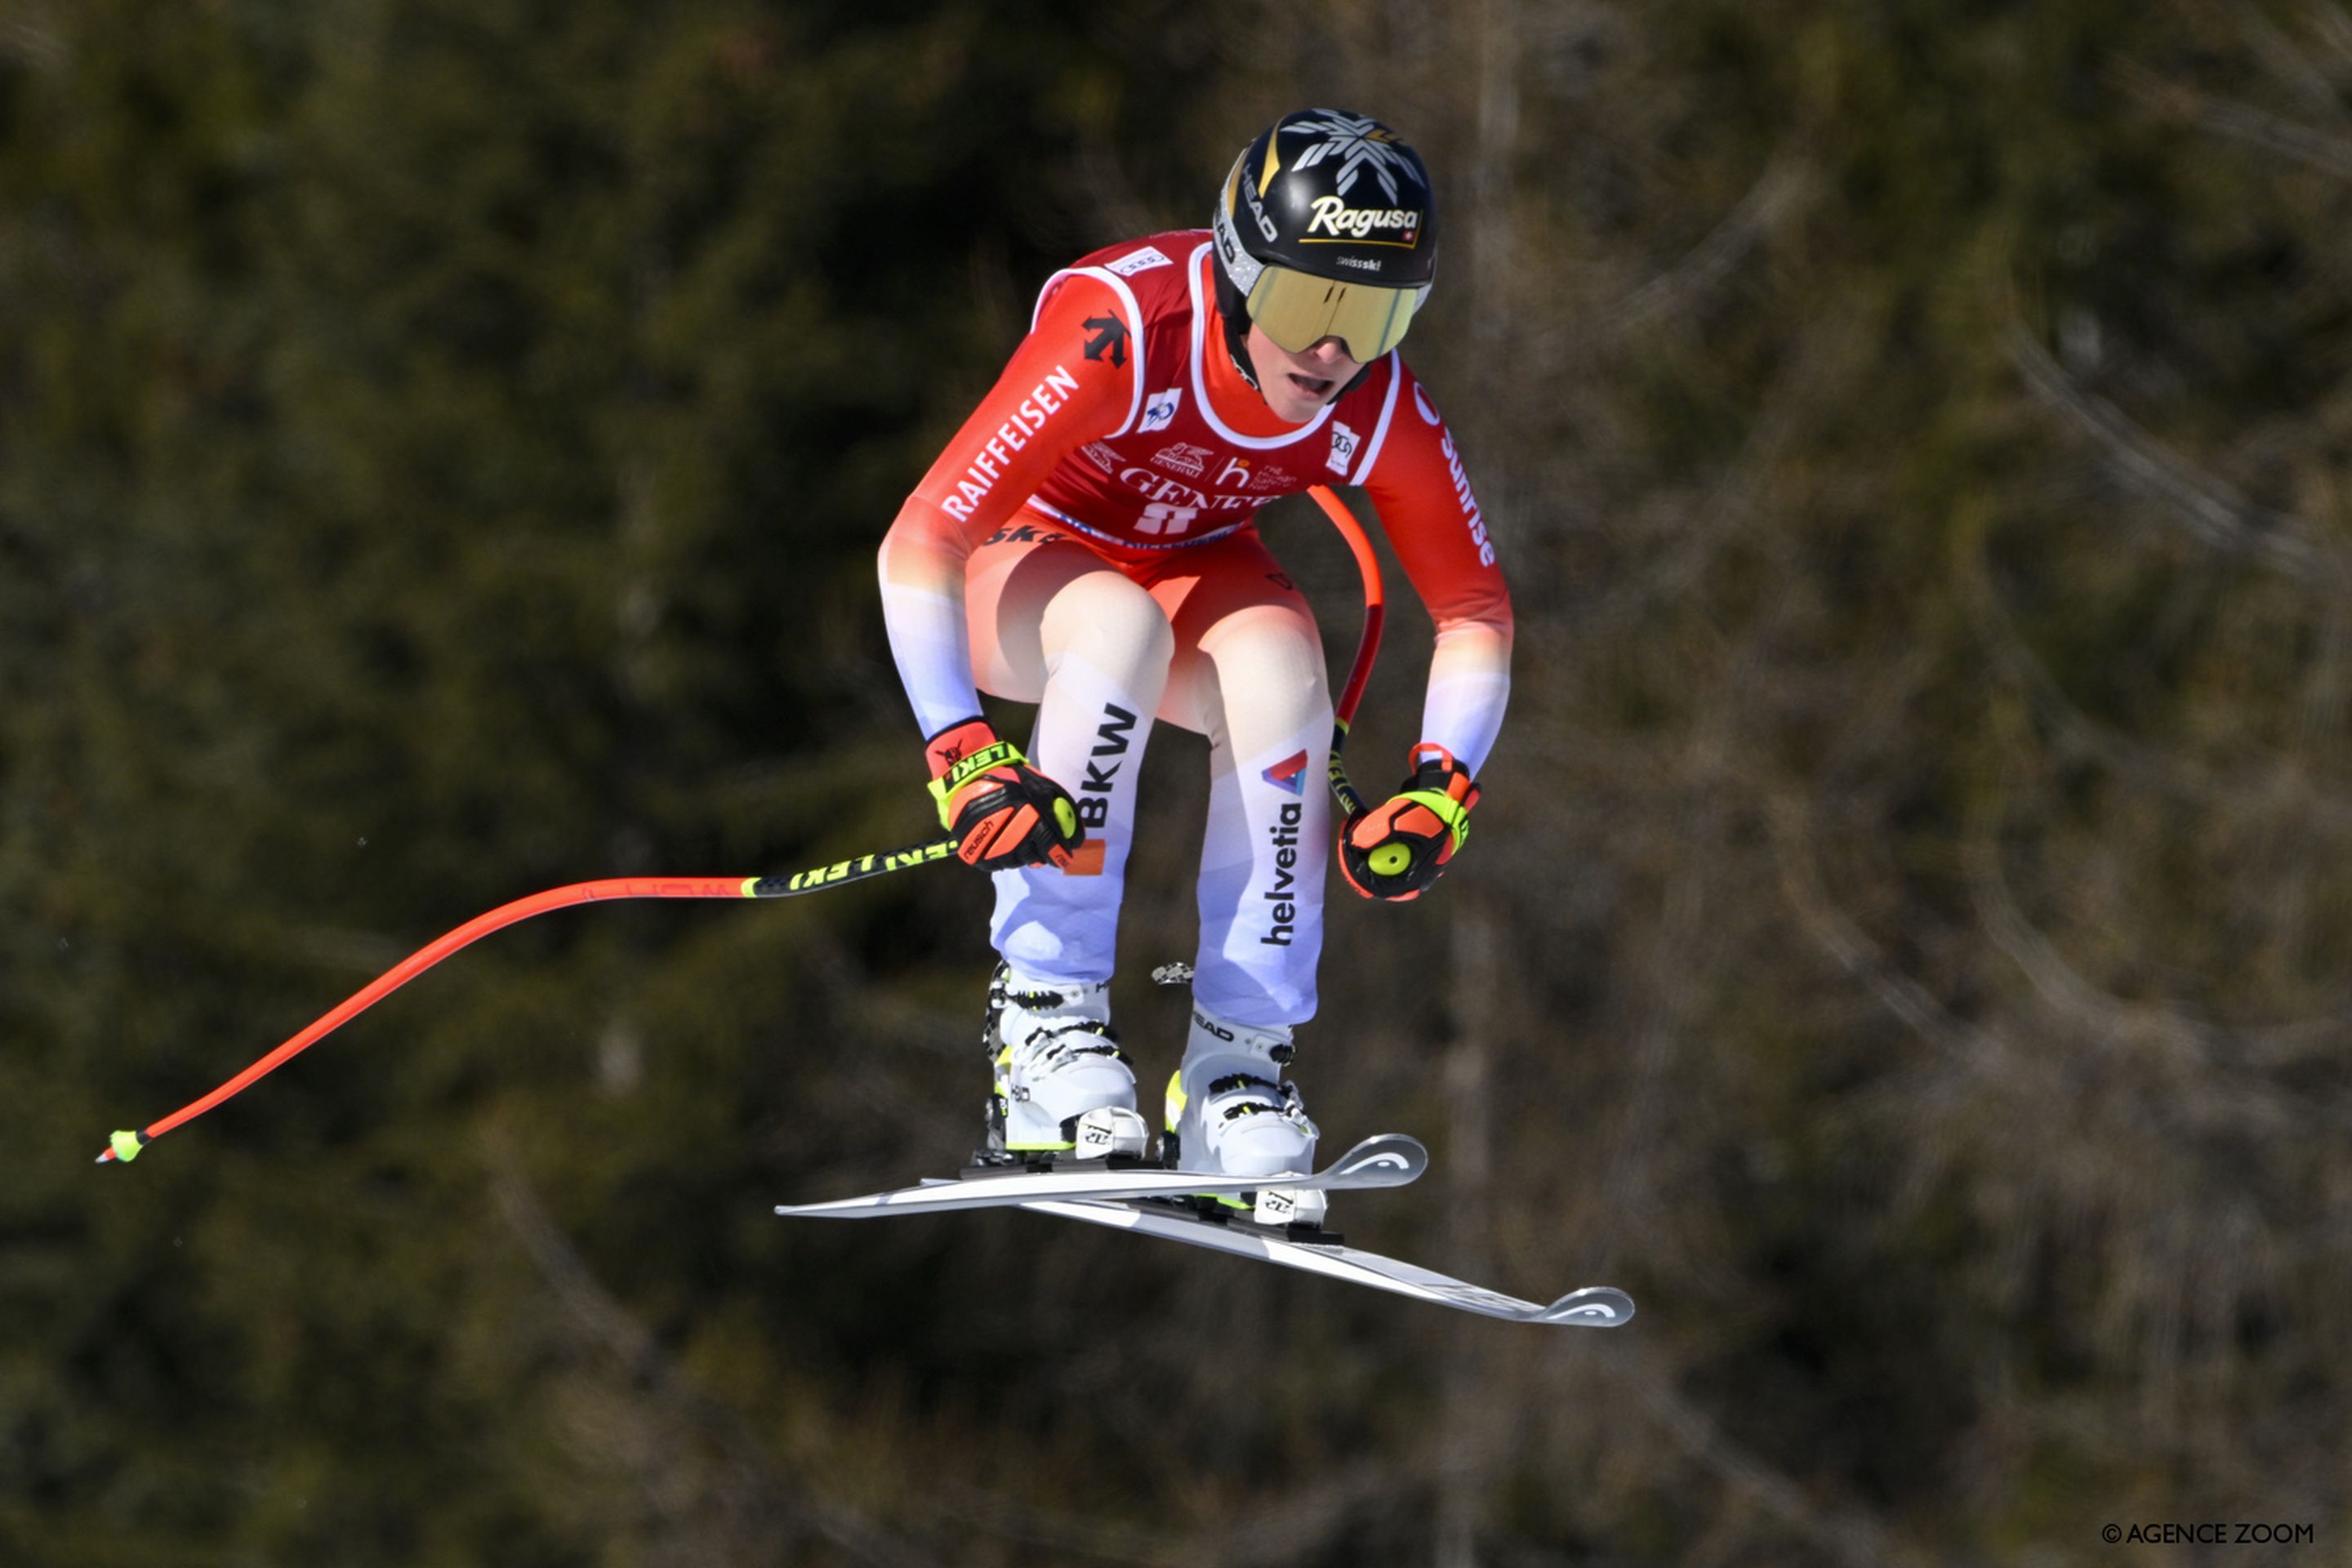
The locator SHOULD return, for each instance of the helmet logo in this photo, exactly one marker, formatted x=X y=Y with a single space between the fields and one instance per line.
x=1337 y=218
x=1236 y=186
x=1241 y=267
x=1361 y=146
x=1257 y=210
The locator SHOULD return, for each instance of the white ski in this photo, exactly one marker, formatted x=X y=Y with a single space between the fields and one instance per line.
x=1387 y=1160
x=1593 y=1307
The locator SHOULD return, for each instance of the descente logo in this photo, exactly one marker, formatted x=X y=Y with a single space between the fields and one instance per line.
x=1337 y=218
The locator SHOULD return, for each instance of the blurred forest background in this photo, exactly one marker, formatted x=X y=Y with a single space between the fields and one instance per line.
x=443 y=448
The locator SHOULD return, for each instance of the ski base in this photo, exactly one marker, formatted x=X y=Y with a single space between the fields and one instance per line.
x=1592 y=1307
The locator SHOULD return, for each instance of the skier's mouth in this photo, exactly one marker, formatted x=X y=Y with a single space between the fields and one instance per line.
x=1311 y=386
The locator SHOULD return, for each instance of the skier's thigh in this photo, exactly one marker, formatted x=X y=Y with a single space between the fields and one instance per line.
x=1030 y=600
x=1243 y=631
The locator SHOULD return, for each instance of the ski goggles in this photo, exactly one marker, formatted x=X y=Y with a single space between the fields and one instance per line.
x=1298 y=310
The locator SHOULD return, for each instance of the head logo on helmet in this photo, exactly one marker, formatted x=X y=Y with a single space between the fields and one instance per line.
x=1326 y=227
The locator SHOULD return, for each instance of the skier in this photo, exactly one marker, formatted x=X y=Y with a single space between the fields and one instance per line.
x=1088 y=543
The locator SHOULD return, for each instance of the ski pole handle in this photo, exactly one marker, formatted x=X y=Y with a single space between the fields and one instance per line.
x=124 y=1146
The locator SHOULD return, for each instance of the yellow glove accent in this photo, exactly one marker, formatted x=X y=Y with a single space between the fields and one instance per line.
x=1449 y=812
x=967 y=768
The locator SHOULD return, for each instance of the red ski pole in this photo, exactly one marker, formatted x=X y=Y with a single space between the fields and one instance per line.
x=125 y=1146
x=1368 y=646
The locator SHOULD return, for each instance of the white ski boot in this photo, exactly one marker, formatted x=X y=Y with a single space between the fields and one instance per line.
x=1230 y=1113
x=1062 y=1083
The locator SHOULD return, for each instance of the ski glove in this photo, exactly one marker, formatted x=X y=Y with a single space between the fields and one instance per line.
x=1400 y=846
x=1003 y=812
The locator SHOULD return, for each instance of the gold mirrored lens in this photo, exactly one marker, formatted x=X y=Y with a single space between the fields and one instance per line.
x=1298 y=312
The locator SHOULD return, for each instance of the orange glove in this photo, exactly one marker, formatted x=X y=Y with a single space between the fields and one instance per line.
x=1400 y=846
x=1003 y=812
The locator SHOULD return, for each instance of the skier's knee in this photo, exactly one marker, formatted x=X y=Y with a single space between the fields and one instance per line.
x=1110 y=622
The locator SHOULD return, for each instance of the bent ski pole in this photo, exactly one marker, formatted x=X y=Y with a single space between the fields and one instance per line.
x=1368 y=646
x=125 y=1146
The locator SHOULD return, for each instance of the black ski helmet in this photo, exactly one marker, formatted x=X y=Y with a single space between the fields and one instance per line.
x=1327 y=226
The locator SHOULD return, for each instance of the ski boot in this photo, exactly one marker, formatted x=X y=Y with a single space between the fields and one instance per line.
x=1230 y=1113
x=1062 y=1086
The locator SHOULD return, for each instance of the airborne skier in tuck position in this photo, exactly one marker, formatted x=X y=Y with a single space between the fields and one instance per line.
x=1088 y=541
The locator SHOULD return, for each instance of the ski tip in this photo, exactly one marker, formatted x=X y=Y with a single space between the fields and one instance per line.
x=1384 y=1160
x=1594 y=1307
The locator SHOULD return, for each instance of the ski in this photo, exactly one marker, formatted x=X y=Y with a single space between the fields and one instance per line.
x=1386 y=1160
x=1593 y=1307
